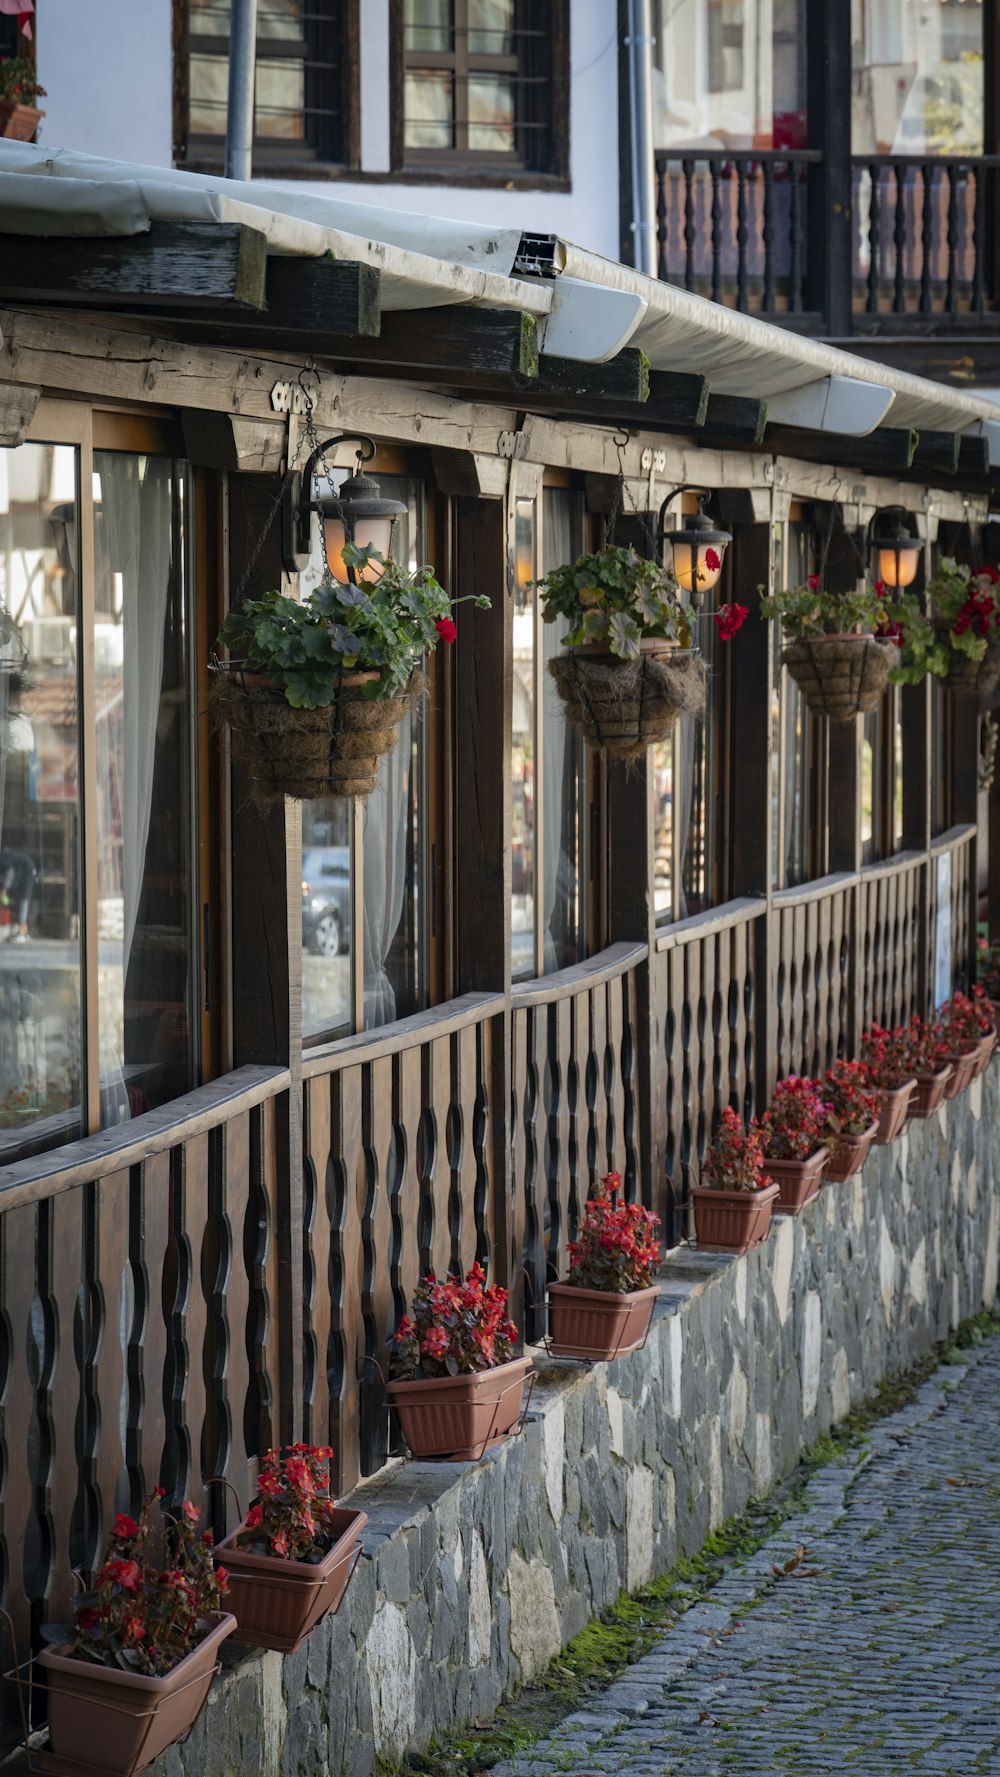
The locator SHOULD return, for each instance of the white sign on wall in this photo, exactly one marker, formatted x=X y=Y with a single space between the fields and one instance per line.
x=942 y=932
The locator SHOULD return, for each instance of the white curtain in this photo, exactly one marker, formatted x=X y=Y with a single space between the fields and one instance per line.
x=685 y=748
x=384 y=851
x=133 y=541
x=563 y=756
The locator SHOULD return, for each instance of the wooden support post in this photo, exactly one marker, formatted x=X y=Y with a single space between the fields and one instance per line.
x=484 y=691
x=267 y=960
x=207 y=266
x=750 y=778
x=965 y=807
x=631 y=915
x=845 y=854
x=829 y=255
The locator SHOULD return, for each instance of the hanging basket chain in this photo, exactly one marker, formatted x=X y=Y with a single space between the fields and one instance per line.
x=308 y=438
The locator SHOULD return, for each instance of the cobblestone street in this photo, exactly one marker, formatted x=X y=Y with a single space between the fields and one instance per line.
x=864 y=1636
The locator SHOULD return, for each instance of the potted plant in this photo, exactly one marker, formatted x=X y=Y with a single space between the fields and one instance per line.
x=793 y=1140
x=832 y=646
x=735 y=1200
x=632 y=667
x=928 y=1060
x=969 y=1032
x=291 y=1558
x=19 y=88
x=606 y=1304
x=314 y=692
x=457 y=1385
x=133 y=1673
x=988 y=972
x=885 y=1055
x=851 y=1119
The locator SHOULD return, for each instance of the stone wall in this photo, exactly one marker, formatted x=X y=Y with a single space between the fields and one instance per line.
x=476 y=1574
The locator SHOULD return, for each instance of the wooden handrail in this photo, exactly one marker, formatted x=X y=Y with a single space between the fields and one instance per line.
x=128 y=1144
x=406 y=1033
x=815 y=891
x=563 y=984
x=951 y=840
x=768 y=156
x=707 y=925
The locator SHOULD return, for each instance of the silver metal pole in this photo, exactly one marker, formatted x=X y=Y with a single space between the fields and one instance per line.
x=639 y=43
x=239 y=117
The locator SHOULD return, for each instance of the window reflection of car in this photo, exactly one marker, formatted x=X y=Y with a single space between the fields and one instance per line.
x=326 y=899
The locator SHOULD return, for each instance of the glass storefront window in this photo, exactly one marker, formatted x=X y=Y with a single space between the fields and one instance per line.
x=565 y=761
x=917 y=77
x=523 y=749
x=729 y=74
x=41 y=1036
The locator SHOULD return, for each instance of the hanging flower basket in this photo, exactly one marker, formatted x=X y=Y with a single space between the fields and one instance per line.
x=987 y=1045
x=975 y=678
x=732 y=1221
x=840 y=676
x=460 y=1418
x=277 y=1603
x=118 y=1721
x=624 y=706
x=847 y=1156
x=798 y=1181
x=929 y=1094
x=894 y=1108
x=963 y=1069
x=309 y=753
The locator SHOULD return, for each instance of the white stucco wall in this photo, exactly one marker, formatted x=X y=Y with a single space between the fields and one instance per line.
x=106 y=65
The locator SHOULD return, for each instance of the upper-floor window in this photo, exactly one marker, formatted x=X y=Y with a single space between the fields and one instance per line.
x=306 y=76
x=480 y=84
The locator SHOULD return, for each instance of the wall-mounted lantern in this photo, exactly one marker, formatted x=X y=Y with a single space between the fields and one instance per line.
x=698 y=547
x=356 y=512
x=895 y=553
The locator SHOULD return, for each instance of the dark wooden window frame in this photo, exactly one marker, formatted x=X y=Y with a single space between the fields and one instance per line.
x=461 y=166
x=271 y=159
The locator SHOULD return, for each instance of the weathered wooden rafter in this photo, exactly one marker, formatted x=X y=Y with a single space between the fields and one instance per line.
x=206 y=266
x=407 y=342
x=888 y=451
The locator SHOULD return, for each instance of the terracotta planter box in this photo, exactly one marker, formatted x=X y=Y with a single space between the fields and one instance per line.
x=984 y=1053
x=598 y=1323
x=963 y=1070
x=930 y=1092
x=849 y=1156
x=460 y=1417
x=278 y=1603
x=732 y=1221
x=119 y=1722
x=894 y=1105
x=798 y=1181
x=19 y=122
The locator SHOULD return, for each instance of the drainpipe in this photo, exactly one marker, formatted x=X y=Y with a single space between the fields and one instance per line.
x=239 y=116
x=639 y=44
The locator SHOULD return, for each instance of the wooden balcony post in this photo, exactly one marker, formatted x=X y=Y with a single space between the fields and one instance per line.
x=751 y=830
x=632 y=915
x=829 y=237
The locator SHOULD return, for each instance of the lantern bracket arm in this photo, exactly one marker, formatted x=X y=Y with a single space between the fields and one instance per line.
x=297 y=499
x=687 y=487
x=364 y=455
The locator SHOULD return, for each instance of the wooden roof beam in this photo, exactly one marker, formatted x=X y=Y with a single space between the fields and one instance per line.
x=888 y=451
x=206 y=266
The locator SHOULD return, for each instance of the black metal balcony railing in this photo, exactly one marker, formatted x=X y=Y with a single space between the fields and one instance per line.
x=736 y=226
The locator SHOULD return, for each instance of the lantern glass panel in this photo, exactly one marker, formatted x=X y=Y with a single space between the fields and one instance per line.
x=898 y=567
x=691 y=568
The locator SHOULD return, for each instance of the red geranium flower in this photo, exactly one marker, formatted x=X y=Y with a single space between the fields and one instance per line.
x=125 y=1528
x=728 y=619
x=446 y=629
x=712 y=560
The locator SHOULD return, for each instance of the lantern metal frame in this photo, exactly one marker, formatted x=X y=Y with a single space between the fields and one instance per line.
x=359 y=497
x=696 y=531
x=896 y=538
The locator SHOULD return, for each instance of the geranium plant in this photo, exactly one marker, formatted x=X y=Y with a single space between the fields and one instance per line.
x=18 y=81
x=735 y=1161
x=617 y=598
x=851 y=1106
x=144 y=1614
x=293 y=1514
x=964 y=607
x=886 y=1056
x=454 y=1328
x=794 y=1124
x=616 y=1248
x=383 y=627
x=812 y=610
x=988 y=967
x=966 y=1018
x=927 y=1046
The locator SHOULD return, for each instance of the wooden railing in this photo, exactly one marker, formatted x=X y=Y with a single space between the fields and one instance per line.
x=400 y=1178
x=139 y=1337
x=574 y=1089
x=736 y=225
x=813 y=935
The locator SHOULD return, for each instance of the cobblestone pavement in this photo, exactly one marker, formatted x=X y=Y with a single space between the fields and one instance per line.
x=877 y=1653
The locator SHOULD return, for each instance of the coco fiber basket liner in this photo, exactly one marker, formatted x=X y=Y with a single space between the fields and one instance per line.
x=840 y=676
x=623 y=706
x=310 y=754
x=975 y=678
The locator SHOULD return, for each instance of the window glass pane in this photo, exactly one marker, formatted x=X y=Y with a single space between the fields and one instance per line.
x=209 y=18
x=396 y=875
x=281 y=20
x=429 y=111
x=778 y=575
x=940 y=758
x=427 y=25
x=147 y=947
x=491 y=113
x=41 y=1039
x=917 y=77
x=209 y=95
x=729 y=74
x=327 y=938
x=897 y=770
x=280 y=100
x=663 y=773
x=491 y=27
x=523 y=748
x=565 y=762
x=694 y=801
x=869 y=787
x=798 y=809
